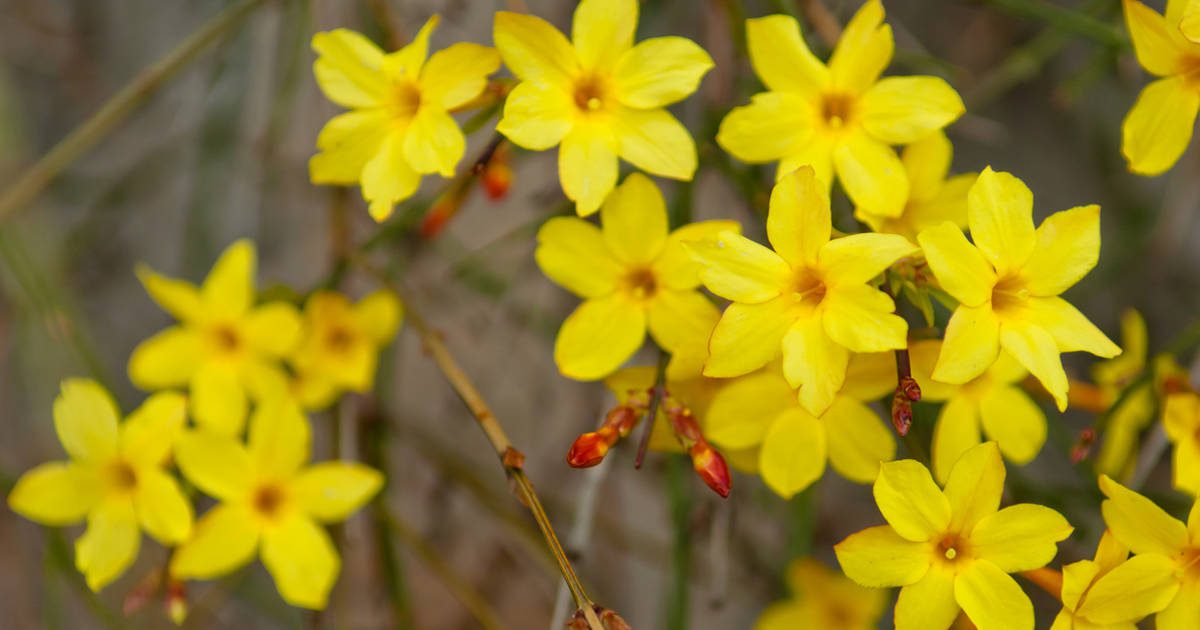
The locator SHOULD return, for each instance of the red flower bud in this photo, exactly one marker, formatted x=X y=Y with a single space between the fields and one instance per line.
x=711 y=467
x=902 y=415
x=497 y=179
x=589 y=449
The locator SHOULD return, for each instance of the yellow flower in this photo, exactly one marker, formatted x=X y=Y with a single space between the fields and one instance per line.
x=600 y=98
x=1008 y=284
x=951 y=548
x=1118 y=448
x=632 y=274
x=1181 y=419
x=270 y=501
x=223 y=347
x=841 y=118
x=340 y=345
x=809 y=298
x=1168 y=575
x=1110 y=592
x=115 y=477
x=1158 y=128
x=823 y=599
x=400 y=127
x=759 y=411
x=932 y=197
x=992 y=401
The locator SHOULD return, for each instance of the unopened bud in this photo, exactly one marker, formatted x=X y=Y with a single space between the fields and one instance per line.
x=497 y=177
x=711 y=467
x=588 y=450
x=909 y=387
x=1083 y=446
x=902 y=415
x=609 y=620
x=176 y=601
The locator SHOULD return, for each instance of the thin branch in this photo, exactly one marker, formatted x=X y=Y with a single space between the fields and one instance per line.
x=660 y=379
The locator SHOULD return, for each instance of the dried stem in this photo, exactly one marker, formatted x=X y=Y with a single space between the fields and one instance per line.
x=660 y=380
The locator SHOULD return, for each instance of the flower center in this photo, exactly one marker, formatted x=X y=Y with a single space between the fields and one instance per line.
x=121 y=476
x=952 y=547
x=589 y=93
x=406 y=99
x=641 y=283
x=837 y=109
x=807 y=289
x=268 y=500
x=225 y=338
x=1009 y=293
x=339 y=339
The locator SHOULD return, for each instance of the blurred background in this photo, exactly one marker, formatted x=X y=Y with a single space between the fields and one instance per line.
x=220 y=152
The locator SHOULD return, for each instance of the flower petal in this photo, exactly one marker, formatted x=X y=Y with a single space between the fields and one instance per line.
x=817 y=152
x=406 y=63
x=928 y=604
x=598 y=337
x=910 y=501
x=992 y=599
x=218 y=399
x=974 y=486
x=738 y=269
x=110 y=543
x=537 y=115
x=780 y=57
x=675 y=267
x=387 y=178
x=660 y=71
x=303 y=561
x=654 y=141
x=680 y=320
x=1141 y=585
x=971 y=346
x=956 y=432
x=1183 y=611
x=273 y=328
x=927 y=162
x=1158 y=128
x=180 y=298
x=1159 y=49
x=634 y=221
x=573 y=253
x=1033 y=347
x=161 y=507
x=747 y=337
x=168 y=359
x=1138 y=523
x=533 y=49
x=857 y=439
x=878 y=557
x=433 y=142
x=331 y=491
x=279 y=441
x=860 y=318
x=960 y=267
x=858 y=258
x=55 y=493
x=602 y=31
x=348 y=68
x=85 y=418
x=345 y=143
x=743 y=411
x=798 y=221
x=1014 y=422
x=150 y=431
x=220 y=466
x=774 y=125
x=1000 y=210
x=379 y=315
x=872 y=175
x=793 y=453
x=587 y=166
x=900 y=110
x=228 y=291
x=864 y=49
x=455 y=75
x=1068 y=246
x=1020 y=537
x=814 y=362
x=224 y=539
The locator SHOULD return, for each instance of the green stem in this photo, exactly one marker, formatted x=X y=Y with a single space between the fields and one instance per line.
x=802 y=519
x=680 y=504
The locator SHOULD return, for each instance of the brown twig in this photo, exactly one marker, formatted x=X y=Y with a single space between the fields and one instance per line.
x=660 y=383
x=823 y=22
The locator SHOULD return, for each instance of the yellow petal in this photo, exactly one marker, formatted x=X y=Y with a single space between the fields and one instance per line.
x=161 y=507
x=798 y=221
x=406 y=63
x=273 y=328
x=1181 y=415
x=346 y=142
x=218 y=399
x=387 y=178
x=1068 y=246
x=738 y=269
x=1033 y=347
x=747 y=337
x=598 y=337
x=1133 y=360
x=956 y=432
x=784 y=615
x=537 y=115
x=56 y=493
x=1138 y=523
x=587 y=166
x=655 y=142
x=774 y=125
x=150 y=431
x=457 y=74
x=1185 y=467
x=781 y=58
x=857 y=258
x=225 y=539
x=218 y=465
x=1077 y=579
x=1142 y=585
x=814 y=363
x=927 y=161
x=634 y=221
x=533 y=49
x=168 y=359
x=877 y=557
x=1159 y=49
x=348 y=68
x=949 y=204
x=434 y=143
x=872 y=174
x=793 y=453
x=900 y=110
x=1020 y=537
x=1000 y=210
x=675 y=267
x=857 y=439
x=573 y=253
x=817 y=152
x=928 y=604
x=864 y=50
x=860 y=318
x=379 y=315
x=178 y=297
x=974 y=485
x=910 y=500
x=660 y=71
x=110 y=543
x=992 y=599
x=279 y=438
x=741 y=412
x=331 y=491
x=681 y=320
x=302 y=560
x=1183 y=611
x=960 y=268
x=1158 y=128
x=870 y=376
x=1071 y=329
x=229 y=288
x=1189 y=18
x=85 y=418
x=971 y=346
x=923 y=355
x=602 y=31
x=1014 y=422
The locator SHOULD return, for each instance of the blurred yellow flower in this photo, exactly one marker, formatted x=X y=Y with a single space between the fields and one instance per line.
x=951 y=548
x=932 y=196
x=224 y=348
x=992 y=401
x=1110 y=592
x=760 y=411
x=400 y=127
x=1181 y=419
x=115 y=477
x=340 y=343
x=632 y=274
x=1119 y=444
x=1008 y=284
x=1168 y=574
x=270 y=501
x=823 y=599
x=810 y=298
x=839 y=118
x=600 y=98
x=1158 y=128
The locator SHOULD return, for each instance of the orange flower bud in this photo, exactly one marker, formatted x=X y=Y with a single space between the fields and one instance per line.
x=176 y=602
x=589 y=449
x=497 y=174
x=711 y=467
x=902 y=415
x=437 y=217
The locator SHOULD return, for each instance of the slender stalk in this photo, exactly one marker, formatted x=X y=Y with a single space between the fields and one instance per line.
x=660 y=380
x=680 y=504
x=117 y=108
